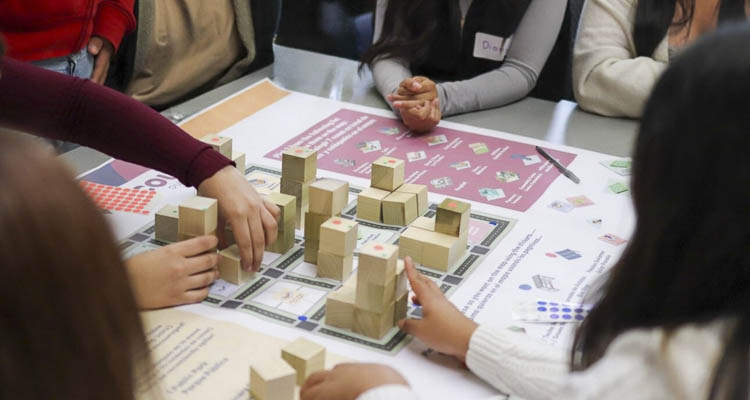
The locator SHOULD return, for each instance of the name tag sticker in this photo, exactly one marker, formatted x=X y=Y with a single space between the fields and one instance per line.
x=491 y=47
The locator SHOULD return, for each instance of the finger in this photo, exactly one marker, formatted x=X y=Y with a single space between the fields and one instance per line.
x=270 y=226
x=415 y=300
x=272 y=208
x=241 y=231
x=410 y=326
x=201 y=280
x=317 y=392
x=195 y=296
x=195 y=246
x=201 y=263
x=101 y=65
x=259 y=240
x=406 y=104
x=435 y=115
x=415 y=278
x=315 y=379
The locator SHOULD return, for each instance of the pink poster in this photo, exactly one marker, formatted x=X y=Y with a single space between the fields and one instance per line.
x=454 y=163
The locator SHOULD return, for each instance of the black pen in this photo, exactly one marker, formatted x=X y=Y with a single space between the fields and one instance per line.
x=559 y=166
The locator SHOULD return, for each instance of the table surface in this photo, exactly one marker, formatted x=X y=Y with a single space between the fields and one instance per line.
x=339 y=79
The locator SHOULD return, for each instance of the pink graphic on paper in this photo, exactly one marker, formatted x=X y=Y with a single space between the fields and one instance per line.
x=350 y=134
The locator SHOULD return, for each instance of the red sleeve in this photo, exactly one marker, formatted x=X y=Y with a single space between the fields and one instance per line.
x=60 y=107
x=114 y=18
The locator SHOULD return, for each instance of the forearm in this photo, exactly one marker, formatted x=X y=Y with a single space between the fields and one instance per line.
x=388 y=75
x=56 y=106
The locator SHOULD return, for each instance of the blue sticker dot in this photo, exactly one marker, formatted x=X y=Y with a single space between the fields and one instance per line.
x=541 y=308
x=554 y=309
x=302 y=318
x=566 y=309
x=553 y=304
x=554 y=316
x=579 y=317
x=493 y=223
x=579 y=310
x=566 y=316
x=541 y=303
x=525 y=287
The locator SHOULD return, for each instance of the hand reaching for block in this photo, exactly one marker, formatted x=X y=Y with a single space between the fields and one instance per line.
x=347 y=381
x=253 y=219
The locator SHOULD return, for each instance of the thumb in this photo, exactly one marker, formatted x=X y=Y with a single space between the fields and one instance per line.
x=410 y=326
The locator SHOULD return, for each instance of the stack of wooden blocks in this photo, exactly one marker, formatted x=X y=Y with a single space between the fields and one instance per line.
x=275 y=378
x=224 y=146
x=389 y=199
x=372 y=301
x=338 y=239
x=328 y=197
x=288 y=206
x=299 y=165
x=197 y=216
x=438 y=243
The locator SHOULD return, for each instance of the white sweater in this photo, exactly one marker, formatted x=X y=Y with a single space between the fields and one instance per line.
x=608 y=78
x=639 y=364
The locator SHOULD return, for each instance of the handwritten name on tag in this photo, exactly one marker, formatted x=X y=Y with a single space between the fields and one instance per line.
x=491 y=47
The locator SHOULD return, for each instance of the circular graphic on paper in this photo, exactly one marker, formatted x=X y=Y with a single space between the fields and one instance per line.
x=525 y=287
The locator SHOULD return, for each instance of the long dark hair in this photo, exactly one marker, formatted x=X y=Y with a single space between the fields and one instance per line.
x=69 y=326
x=687 y=261
x=653 y=18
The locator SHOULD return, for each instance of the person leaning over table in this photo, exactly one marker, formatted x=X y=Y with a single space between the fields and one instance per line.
x=623 y=46
x=484 y=53
x=44 y=103
x=672 y=317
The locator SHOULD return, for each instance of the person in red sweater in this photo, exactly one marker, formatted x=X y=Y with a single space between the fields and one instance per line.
x=56 y=106
x=77 y=37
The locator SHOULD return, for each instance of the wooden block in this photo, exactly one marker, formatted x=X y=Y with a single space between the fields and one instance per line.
x=311 y=251
x=186 y=236
x=230 y=269
x=373 y=324
x=452 y=217
x=165 y=224
x=239 y=161
x=375 y=297
x=299 y=164
x=300 y=190
x=221 y=144
x=272 y=379
x=338 y=236
x=305 y=357
x=198 y=216
x=288 y=206
x=340 y=304
x=440 y=251
x=425 y=223
x=284 y=241
x=411 y=243
x=402 y=281
x=400 y=208
x=328 y=196
x=369 y=204
x=400 y=308
x=377 y=263
x=387 y=173
x=420 y=191
x=333 y=266
x=313 y=222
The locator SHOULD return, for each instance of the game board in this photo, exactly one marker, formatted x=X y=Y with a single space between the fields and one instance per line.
x=286 y=291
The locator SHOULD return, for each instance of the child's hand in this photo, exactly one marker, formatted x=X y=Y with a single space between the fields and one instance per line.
x=416 y=88
x=172 y=275
x=442 y=327
x=420 y=115
x=348 y=381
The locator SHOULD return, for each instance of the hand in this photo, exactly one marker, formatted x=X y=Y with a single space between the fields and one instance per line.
x=102 y=50
x=416 y=88
x=442 y=327
x=252 y=218
x=172 y=275
x=348 y=381
x=420 y=115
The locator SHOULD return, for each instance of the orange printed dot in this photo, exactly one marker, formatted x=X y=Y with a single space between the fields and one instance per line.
x=336 y=222
x=144 y=212
x=392 y=161
x=378 y=247
x=452 y=205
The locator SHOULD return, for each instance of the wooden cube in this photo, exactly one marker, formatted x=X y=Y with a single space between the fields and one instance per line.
x=313 y=221
x=284 y=241
x=186 y=236
x=387 y=173
x=299 y=164
x=338 y=236
x=305 y=357
x=425 y=223
x=373 y=296
x=452 y=217
x=230 y=268
x=311 y=251
x=287 y=205
x=420 y=191
x=165 y=223
x=400 y=308
x=272 y=379
x=239 y=161
x=373 y=324
x=400 y=208
x=340 y=304
x=369 y=204
x=198 y=216
x=377 y=263
x=220 y=143
x=328 y=196
x=431 y=249
x=333 y=266
x=300 y=190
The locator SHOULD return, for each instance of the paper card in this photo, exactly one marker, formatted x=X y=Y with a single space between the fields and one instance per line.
x=612 y=239
x=561 y=206
x=436 y=140
x=618 y=187
x=531 y=160
x=507 y=176
x=619 y=166
x=461 y=165
x=491 y=47
x=416 y=155
x=492 y=194
x=580 y=201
